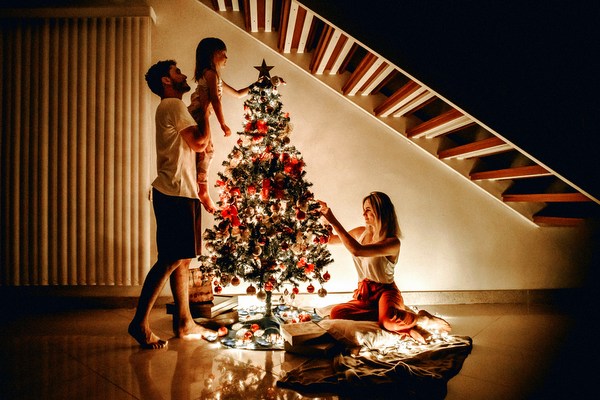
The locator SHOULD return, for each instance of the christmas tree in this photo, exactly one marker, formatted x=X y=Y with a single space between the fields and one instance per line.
x=267 y=232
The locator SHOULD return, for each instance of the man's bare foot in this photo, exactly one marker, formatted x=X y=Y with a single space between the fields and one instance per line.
x=146 y=338
x=205 y=199
x=432 y=323
x=193 y=331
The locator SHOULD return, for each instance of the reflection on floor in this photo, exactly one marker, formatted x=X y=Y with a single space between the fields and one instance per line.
x=520 y=352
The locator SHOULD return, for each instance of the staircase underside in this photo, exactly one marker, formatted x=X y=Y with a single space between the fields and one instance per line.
x=415 y=111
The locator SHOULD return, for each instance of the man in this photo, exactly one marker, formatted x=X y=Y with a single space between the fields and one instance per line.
x=176 y=206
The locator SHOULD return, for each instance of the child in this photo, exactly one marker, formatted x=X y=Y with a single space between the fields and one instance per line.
x=211 y=57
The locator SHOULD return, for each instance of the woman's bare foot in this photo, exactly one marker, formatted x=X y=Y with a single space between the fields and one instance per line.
x=419 y=334
x=146 y=338
x=432 y=323
x=193 y=331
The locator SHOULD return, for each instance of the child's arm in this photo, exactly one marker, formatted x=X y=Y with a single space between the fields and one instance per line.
x=235 y=92
x=213 y=95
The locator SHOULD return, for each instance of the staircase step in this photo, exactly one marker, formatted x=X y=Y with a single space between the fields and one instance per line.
x=529 y=171
x=480 y=148
x=445 y=123
x=547 y=197
x=557 y=221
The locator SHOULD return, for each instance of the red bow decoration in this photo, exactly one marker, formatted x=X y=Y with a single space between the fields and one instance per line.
x=293 y=166
x=231 y=213
x=261 y=126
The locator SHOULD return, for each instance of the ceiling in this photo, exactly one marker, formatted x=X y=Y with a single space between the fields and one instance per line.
x=525 y=69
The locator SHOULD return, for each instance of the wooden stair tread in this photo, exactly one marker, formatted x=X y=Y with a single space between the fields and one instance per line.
x=512 y=173
x=476 y=149
x=442 y=124
x=546 y=197
x=557 y=221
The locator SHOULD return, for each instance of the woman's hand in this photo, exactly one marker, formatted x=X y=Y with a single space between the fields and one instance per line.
x=325 y=211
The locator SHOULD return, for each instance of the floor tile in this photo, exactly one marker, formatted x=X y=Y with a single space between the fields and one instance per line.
x=519 y=352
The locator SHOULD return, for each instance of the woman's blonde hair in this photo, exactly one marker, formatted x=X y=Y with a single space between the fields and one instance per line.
x=384 y=211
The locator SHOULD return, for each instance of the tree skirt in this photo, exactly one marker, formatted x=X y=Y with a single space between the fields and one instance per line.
x=379 y=364
x=256 y=331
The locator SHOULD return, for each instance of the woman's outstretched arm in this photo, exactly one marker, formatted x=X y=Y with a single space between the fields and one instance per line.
x=385 y=247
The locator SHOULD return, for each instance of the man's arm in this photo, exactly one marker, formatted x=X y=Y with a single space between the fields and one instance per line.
x=196 y=137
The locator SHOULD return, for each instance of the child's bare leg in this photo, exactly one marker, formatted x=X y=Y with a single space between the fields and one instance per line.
x=203 y=161
x=205 y=199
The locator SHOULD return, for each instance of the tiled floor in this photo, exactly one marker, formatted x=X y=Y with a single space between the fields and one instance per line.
x=518 y=353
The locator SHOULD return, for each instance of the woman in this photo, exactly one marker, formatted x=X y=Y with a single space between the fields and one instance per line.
x=375 y=248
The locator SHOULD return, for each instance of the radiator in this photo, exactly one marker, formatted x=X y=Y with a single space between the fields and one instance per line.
x=77 y=151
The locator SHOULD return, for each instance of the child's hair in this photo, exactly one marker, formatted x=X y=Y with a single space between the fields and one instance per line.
x=204 y=55
x=386 y=213
x=156 y=73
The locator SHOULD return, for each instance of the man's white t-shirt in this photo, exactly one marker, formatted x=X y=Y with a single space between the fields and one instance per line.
x=175 y=159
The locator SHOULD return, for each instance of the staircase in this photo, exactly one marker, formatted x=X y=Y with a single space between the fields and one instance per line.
x=460 y=141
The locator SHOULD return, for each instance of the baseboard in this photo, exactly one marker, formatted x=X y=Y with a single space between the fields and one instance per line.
x=44 y=298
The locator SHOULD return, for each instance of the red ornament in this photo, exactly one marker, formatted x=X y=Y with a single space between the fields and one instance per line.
x=300 y=215
x=268 y=286
x=251 y=189
x=222 y=331
x=295 y=290
x=326 y=276
x=235 y=281
x=218 y=289
x=304 y=317
x=310 y=288
x=251 y=290
x=254 y=327
x=266 y=189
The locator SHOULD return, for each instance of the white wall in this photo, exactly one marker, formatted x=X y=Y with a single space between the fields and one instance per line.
x=455 y=237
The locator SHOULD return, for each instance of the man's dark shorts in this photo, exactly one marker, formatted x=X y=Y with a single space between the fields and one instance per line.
x=178 y=232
